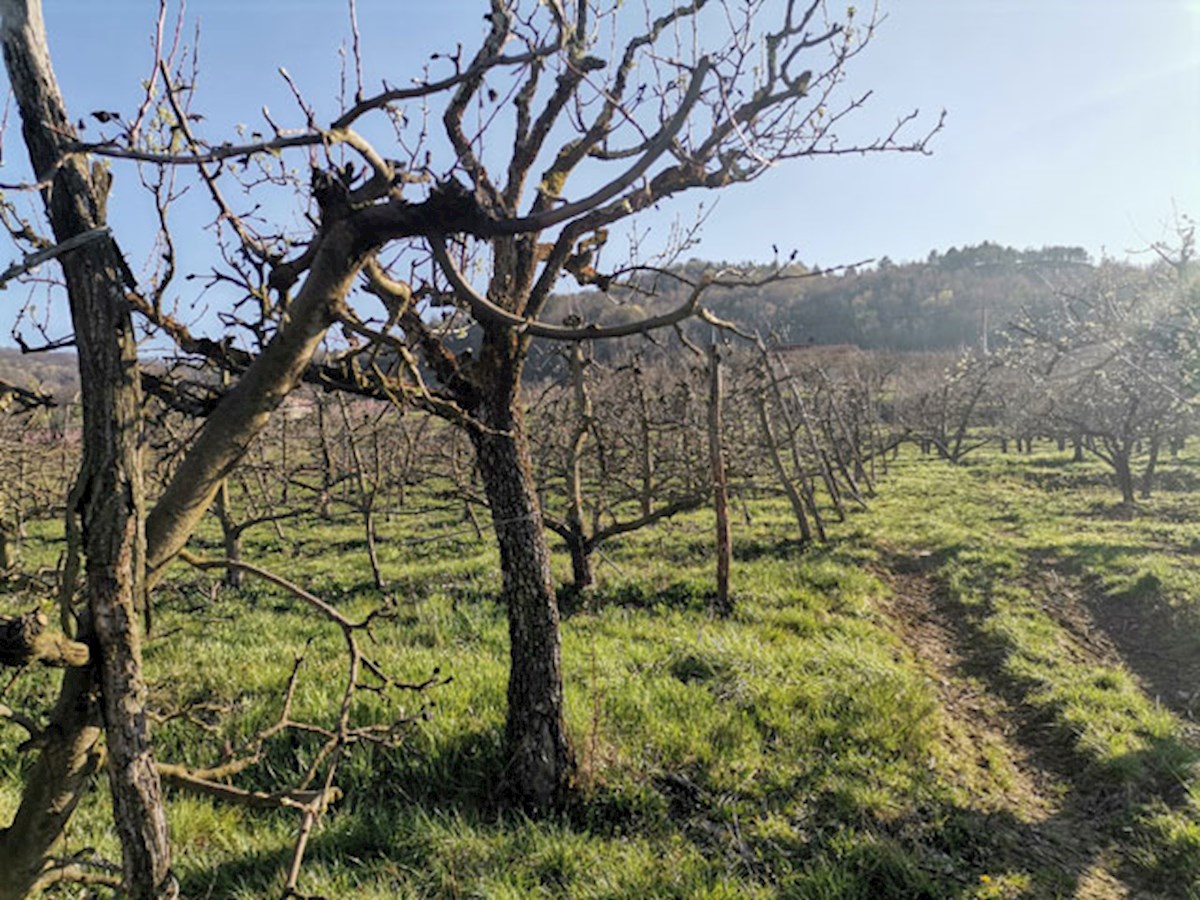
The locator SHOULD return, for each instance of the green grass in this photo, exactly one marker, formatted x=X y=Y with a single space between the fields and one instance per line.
x=799 y=747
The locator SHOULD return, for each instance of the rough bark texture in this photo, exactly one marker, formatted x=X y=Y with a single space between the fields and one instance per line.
x=541 y=763
x=109 y=487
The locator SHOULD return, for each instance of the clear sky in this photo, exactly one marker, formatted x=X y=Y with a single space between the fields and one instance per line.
x=1069 y=121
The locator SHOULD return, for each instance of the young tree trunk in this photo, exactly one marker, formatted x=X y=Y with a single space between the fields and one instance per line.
x=581 y=563
x=231 y=535
x=793 y=495
x=720 y=485
x=367 y=493
x=819 y=457
x=328 y=471
x=645 y=455
x=807 y=489
x=541 y=761
x=1151 y=467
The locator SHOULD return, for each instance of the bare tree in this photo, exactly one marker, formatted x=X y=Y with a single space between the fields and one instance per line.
x=660 y=115
x=1110 y=363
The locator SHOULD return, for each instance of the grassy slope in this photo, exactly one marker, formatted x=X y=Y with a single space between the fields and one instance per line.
x=958 y=699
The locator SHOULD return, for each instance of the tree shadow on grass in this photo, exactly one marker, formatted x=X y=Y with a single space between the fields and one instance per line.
x=1097 y=802
x=1158 y=642
x=784 y=548
x=461 y=777
x=683 y=594
x=1155 y=639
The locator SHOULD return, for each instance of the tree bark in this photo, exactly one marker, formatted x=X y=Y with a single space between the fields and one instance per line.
x=1151 y=467
x=720 y=485
x=541 y=762
x=108 y=491
x=581 y=563
x=54 y=786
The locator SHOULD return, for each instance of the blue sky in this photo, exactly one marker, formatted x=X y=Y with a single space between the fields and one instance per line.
x=1069 y=121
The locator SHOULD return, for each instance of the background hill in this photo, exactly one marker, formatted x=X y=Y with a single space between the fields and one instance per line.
x=947 y=301
x=52 y=373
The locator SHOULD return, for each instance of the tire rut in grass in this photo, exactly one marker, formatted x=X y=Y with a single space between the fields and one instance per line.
x=1144 y=635
x=1022 y=780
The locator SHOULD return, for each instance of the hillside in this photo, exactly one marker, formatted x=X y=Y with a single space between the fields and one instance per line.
x=53 y=373
x=947 y=301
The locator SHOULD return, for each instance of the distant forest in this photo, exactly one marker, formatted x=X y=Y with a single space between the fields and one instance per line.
x=948 y=301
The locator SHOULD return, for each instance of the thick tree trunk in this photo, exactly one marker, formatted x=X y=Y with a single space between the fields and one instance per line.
x=541 y=762
x=54 y=786
x=109 y=500
x=583 y=576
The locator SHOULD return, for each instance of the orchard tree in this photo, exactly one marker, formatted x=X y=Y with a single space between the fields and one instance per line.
x=1111 y=361
x=569 y=120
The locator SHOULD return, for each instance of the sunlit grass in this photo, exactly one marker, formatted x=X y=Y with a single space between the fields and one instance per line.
x=795 y=748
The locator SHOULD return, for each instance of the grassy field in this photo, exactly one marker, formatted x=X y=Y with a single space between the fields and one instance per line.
x=983 y=688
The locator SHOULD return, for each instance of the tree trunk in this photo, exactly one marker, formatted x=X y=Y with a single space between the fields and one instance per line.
x=807 y=489
x=581 y=564
x=328 y=473
x=54 y=786
x=1151 y=467
x=720 y=485
x=108 y=497
x=8 y=554
x=583 y=576
x=793 y=495
x=1124 y=473
x=645 y=456
x=368 y=490
x=231 y=535
x=541 y=761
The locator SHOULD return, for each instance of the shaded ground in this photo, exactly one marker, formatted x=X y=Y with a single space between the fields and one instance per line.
x=1056 y=827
